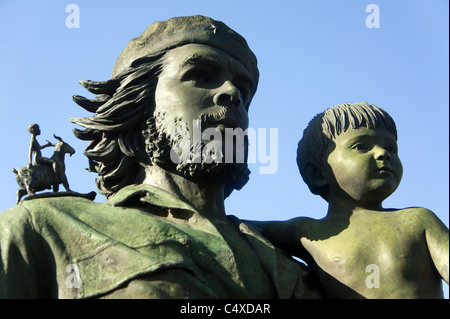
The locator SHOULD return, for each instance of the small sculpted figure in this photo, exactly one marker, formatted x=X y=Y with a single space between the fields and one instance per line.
x=42 y=172
x=34 y=155
x=349 y=156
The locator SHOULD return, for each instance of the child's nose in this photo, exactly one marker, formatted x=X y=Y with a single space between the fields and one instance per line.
x=382 y=153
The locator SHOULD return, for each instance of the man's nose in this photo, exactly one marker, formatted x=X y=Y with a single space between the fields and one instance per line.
x=228 y=95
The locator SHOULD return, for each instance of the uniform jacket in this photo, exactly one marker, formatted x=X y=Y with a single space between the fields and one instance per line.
x=141 y=243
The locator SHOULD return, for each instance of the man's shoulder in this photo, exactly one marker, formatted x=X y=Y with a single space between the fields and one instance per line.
x=74 y=219
x=58 y=209
x=304 y=226
x=109 y=245
x=44 y=210
x=61 y=207
x=64 y=204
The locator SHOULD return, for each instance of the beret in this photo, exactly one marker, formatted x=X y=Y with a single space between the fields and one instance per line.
x=178 y=31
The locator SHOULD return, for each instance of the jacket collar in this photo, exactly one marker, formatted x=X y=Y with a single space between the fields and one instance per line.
x=281 y=272
x=147 y=194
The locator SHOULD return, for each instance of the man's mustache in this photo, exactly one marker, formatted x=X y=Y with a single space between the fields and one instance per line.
x=219 y=115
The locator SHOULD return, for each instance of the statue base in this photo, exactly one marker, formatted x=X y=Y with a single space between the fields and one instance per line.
x=90 y=196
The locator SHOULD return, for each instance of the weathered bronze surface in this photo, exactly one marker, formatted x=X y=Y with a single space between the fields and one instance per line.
x=163 y=232
x=45 y=173
x=349 y=156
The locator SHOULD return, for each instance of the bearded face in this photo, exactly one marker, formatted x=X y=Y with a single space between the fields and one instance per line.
x=201 y=91
x=159 y=73
x=198 y=160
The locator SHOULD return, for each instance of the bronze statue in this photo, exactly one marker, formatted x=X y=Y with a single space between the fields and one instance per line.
x=163 y=231
x=349 y=156
x=43 y=173
x=34 y=153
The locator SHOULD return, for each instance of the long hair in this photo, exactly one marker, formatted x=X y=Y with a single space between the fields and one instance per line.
x=123 y=105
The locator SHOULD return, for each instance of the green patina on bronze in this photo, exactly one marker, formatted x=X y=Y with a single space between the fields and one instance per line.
x=163 y=232
x=124 y=251
x=349 y=156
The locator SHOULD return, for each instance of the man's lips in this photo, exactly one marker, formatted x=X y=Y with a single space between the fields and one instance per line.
x=221 y=117
x=226 y=121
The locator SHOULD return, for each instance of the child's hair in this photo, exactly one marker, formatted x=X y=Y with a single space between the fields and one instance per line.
x=33 y=128
x=326 y=126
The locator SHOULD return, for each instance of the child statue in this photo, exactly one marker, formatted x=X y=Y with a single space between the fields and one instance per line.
x=349 y=156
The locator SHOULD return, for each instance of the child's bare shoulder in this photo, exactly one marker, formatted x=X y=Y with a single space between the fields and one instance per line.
x=425 y=216
x=416 y=212
x=417 y=216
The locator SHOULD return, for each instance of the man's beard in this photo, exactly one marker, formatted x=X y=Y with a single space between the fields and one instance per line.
x=159 y=144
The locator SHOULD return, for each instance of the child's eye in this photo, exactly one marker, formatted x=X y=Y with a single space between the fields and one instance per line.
x=361 y=147
x=391 y=149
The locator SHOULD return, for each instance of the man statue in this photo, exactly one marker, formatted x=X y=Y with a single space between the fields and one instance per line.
x=163 y=231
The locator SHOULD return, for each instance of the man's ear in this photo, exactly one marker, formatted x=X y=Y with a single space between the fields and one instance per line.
x=315 y=175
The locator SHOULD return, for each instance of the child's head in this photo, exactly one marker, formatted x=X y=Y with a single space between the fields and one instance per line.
x=34 y=129
x=318 y=137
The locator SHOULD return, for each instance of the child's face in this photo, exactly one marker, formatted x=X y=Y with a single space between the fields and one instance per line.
x=35 y=130
x=365 y=165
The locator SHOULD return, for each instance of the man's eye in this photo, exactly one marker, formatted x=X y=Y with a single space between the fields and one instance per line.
x=200 y=75
x=361 y=147
x=197 y=75
x=205 y=74
x=245 y=93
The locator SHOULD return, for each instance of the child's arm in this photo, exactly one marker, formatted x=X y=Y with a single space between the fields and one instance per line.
x=47 y=145
x=436 y=234
x=285 y=234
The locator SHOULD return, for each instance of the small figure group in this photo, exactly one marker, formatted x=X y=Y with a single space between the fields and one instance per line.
x=34 y=155
x=41 y=172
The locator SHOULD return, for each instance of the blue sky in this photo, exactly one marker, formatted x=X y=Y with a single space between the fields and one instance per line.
x=311 y=55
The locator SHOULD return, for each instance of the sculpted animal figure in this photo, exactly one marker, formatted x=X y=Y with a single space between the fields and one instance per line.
x=40 y=177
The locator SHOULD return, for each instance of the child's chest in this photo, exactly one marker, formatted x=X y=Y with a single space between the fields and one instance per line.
x=382 y=247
